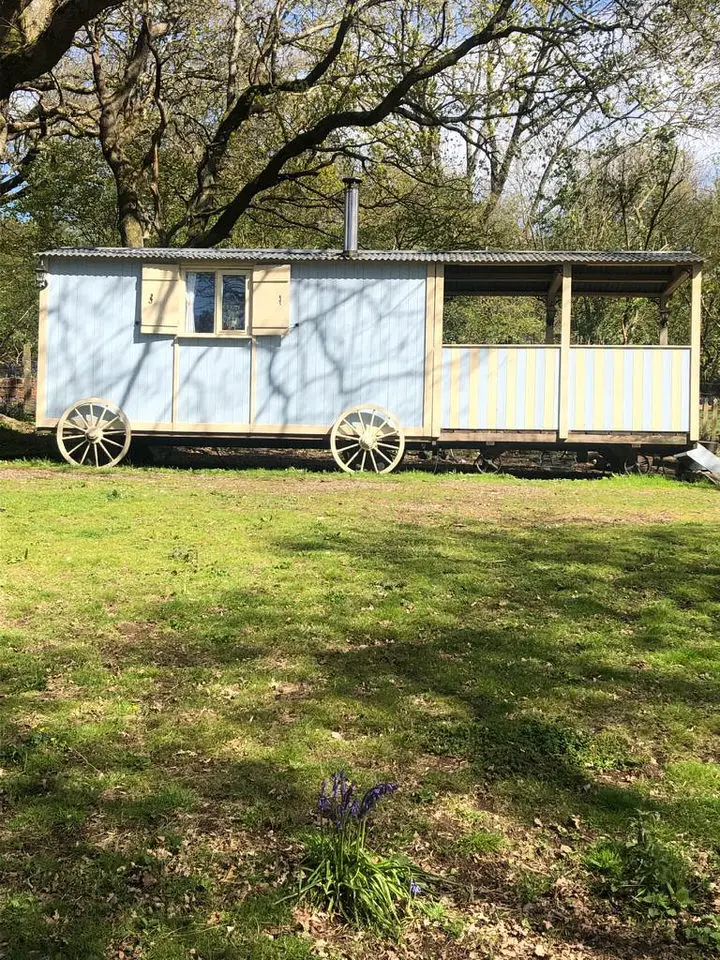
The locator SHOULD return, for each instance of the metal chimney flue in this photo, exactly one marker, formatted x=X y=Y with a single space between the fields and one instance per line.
x=350 y=241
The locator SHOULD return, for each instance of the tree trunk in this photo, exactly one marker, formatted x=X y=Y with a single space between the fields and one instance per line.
x=131 y=231
x=4 y=108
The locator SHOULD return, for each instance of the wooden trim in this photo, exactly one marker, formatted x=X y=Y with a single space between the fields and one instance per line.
x=511 y=386
x=555 y=286
x=454 y=386
x=551 y=380
x=638 y=385
x=492 y=384
x=218 y=332
x=679 y=275
x=222 y=335
x=415 y=434
x=600 y=389
x=618 y=387
x=695 y=328
x=473 y=388
x=630 y=346
x=42 y=364
x=437 y=366
x=219 y=274
x=676 y=375
x=604 y=436
x=521 y=436
x=271 y=301
x=503 y=346
x=656 y=395
x=162 y=300
x=241 y=429
x=529 y=411
x=565 y=320
x=578 y=399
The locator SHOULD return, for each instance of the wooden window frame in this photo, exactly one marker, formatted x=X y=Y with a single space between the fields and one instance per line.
x=218 y=332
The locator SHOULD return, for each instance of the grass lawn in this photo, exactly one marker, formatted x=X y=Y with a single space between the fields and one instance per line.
x=184 y=655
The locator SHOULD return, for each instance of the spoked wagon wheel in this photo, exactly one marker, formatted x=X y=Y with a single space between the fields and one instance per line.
x=642 y=464
x=484 y=464
x=93 y=433
x=367 y=438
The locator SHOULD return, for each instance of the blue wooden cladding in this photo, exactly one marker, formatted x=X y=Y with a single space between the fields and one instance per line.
x=630 y=389
x=214 y=381
x=500 y=388
x=612 y=389
x=360 y=332
x=357 y=335
x=94 y=347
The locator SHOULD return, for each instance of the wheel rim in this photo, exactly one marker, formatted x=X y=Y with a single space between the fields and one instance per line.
x=644 y=464
x=367 y=438
x=93 y=433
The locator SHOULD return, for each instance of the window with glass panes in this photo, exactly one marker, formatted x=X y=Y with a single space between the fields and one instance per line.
x=216 y=302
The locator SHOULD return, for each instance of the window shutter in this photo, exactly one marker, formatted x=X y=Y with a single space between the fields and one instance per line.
x=162 y=300
x=270 y=309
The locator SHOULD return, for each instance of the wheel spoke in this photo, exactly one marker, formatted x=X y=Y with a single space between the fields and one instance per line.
x=108 y=454
x=109 y=423
x=71 y=452
x=367 y=437
x=347 y=425
x=355 y=446
x=353 y=457
x=103 y=421
x=83 y=424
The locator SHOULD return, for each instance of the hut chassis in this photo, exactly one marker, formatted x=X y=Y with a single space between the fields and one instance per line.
x=556 y=395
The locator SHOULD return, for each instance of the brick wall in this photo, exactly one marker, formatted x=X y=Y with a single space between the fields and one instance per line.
x=12 y=392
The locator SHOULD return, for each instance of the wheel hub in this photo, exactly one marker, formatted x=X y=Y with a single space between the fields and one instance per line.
x=368 y=439
x=94 y=434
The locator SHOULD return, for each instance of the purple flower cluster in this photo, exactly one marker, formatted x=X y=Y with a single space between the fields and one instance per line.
x=339 y=804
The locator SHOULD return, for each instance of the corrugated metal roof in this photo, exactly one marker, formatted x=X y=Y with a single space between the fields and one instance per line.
x=497 y=257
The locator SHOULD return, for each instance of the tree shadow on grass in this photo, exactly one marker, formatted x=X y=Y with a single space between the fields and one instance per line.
x=513 y=651
x=86 y=869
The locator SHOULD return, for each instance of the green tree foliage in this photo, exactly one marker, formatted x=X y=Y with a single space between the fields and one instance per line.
x=18 y=292
x=71 y=200
x=548 y=125
x=494 y=320
x=637 y=197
